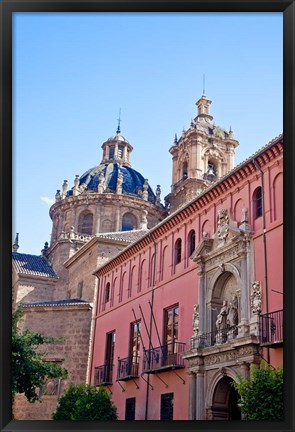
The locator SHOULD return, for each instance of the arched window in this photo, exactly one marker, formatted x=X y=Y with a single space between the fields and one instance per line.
x=278 y=196
x=177 y=251
x=129 y=222
x=184 y=170
x=85 y=223
x=257 y=202
x=191 y=242
x=107 y=293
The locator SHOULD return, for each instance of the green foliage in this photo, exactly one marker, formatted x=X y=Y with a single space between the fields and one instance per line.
x=29 y=366
x=85 y=402
x=261 y=395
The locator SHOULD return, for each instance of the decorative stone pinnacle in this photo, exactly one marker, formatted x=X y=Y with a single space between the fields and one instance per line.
x=15 y=245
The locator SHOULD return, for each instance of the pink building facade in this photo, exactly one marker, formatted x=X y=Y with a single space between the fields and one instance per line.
x=196 y=301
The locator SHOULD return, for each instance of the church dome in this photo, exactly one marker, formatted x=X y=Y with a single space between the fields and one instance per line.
x=118 y=137
x=133 y=181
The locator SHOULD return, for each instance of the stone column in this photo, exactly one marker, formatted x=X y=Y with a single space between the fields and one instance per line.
x=107 y=155
x=97 y=222
x=118 y=217
x=202 y=302
x=76 y=218
x=192 y=396
x=125 y=154
x=116 y=152
x=243 y=325
x=199 y=158
x=200 y=397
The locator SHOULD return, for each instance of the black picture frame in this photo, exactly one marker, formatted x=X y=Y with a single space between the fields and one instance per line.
x=7 y=8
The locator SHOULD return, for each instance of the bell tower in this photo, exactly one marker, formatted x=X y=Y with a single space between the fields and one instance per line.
x=204 y=153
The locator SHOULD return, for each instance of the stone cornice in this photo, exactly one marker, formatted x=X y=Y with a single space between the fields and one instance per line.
x=38 y=278
x=240 y=173
x=94 y=197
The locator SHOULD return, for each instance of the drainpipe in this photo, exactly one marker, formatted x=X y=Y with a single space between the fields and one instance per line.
x=92 y=331
x=151 y=325
x=264 y=243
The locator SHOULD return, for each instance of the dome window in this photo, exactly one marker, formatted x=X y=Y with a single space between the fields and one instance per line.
x=85 y=223
x=112 y=152
x=129 y=222
x=120 y=152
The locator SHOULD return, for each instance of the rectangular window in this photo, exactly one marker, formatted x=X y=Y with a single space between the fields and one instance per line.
x=109 y=356
x=171 y=328
x=167 y=406
x=135 y=342
x=130 y=409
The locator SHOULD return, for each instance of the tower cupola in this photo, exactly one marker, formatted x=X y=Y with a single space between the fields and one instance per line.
x=203 y=105
x=117 y=149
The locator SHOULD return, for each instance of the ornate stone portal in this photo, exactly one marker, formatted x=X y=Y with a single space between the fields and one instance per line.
x=225 y=341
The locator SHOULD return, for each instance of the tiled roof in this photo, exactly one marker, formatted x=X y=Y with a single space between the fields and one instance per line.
x=67 y=302
x=124 y=236
x=32 y=265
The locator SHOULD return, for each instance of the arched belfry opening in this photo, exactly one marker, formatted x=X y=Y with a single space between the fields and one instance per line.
x=225 y=401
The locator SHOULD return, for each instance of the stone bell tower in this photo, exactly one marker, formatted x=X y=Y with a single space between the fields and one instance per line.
x=204 y=153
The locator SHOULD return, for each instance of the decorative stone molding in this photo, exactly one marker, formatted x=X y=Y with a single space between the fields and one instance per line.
x=256 y=297
x=223 y=225
x=229 y=356
x=196 y=320
x=72 y=235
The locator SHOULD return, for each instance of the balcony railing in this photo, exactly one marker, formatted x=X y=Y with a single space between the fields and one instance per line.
x=164 y=357
x=271 y=328
x=127 y=368
x=216 y=337
x=103 y=375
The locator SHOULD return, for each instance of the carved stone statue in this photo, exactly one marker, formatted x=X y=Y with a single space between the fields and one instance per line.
x=256 y=300
x=205 y=235
x=196 y=320
x=221 y=322
x=232 y=317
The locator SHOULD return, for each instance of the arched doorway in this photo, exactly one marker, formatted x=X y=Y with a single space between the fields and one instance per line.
x=225 y=401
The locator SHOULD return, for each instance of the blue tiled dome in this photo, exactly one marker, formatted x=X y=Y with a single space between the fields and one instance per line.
x=132 y=180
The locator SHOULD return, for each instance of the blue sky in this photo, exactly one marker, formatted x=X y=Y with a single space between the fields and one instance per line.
x=72 y=72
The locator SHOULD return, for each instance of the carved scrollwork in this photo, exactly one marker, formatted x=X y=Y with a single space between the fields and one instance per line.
x=256 y=297
x=223 y=225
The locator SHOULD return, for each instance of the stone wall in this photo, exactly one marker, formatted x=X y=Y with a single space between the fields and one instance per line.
x=72 y=323
x=34 y=289
x=82 y=268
